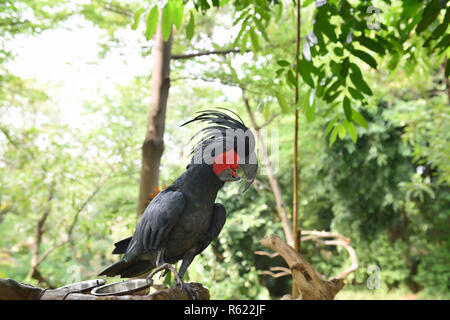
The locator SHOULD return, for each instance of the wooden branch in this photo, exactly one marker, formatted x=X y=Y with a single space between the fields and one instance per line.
x=205 y=53
x=352 y=254
x=339 y=240
x=118 y=10
x=307 y=281
x=265 y=253
x=326 y=234
x=271 y=118
x=282 y=271
x=12 y=290
x=275 y=275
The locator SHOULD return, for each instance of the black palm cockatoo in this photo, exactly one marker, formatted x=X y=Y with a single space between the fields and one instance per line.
x=183 y=219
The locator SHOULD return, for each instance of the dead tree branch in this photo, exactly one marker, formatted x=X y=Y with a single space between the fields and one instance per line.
x=338 y=240
x=318 y=236
x=311 y=286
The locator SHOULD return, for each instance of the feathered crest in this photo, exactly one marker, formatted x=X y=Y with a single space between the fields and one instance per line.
x=220 y=124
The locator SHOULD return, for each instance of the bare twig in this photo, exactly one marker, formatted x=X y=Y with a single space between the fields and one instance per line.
x=271 y=118
x=205 y=53
x=265 y=253
x=118 y=10
x=282 y=272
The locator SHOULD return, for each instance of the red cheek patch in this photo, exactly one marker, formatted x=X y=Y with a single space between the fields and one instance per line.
x=226 y=160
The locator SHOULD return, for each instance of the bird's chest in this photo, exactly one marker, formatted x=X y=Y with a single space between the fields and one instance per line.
x=200 y=191
x=190 y=230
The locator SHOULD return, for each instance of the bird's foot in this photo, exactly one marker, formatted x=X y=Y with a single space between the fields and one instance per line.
x=168 y=267
x=188 y=288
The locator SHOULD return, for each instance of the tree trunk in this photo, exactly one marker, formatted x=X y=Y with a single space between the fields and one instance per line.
x=153 y=146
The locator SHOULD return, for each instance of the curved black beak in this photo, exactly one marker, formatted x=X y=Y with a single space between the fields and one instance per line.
x=249 y=168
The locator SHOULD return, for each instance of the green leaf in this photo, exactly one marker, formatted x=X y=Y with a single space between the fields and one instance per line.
x=283 y=63
x=359 y=119
x=261 y=29
x=282 y=102
x=331 y=97
x=241 y=31
x=371 y=44
x=341 y=131
x=177 y=10
x=364 y=56
x=255 y=40
x=279 y=12
x=137 y=18
x=305 y=69
x=445 y=42
x=347 y=108
x=333 y=135
x=166 y=23
x=190 y=26
x=291 y=78
x=360 y=84
x=355 y=93
x=350 y=127
x=323 y=25
x=279 y=71
x=152 y=23
x=331 y=125
x=244 y=41
x=429 y=14
x=440 y=29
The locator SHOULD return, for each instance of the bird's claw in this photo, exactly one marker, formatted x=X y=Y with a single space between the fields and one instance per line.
x=168 y=267
x=186 y=287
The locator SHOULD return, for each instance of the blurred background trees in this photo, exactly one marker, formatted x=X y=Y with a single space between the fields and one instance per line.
x=69 y=185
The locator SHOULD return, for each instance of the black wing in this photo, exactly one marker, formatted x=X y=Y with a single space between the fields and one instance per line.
x=158 y=219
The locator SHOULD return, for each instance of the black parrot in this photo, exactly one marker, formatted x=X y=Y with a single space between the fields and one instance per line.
x=183 y=219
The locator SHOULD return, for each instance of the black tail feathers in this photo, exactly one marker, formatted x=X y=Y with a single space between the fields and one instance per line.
x=127 y=269
x=121 y=246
